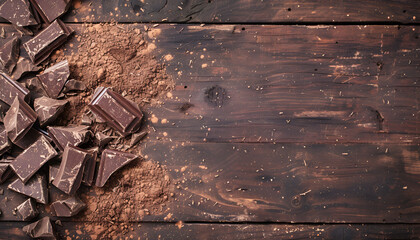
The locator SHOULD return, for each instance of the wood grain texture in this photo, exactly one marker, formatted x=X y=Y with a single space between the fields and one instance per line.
x=232 y=231
x=323 y=84
x=245 y=11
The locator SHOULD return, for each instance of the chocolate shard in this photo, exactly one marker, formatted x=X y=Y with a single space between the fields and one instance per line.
x=45 y=42
x=111 y=161
x=136 y=137
x=30 y=137
x=74 y=135
x=48 y=109
x=49 y=10
x=35 y=188
x=70 y=173
x=36 y=88
x=5 y=144
x=68 y=207
x=24 y=66
x=54 y=78
x=9 y=54
x=27 y=210
x=120 y=113
x=89 y=171
x=5 y=170
x=33 y=158
x=102 y=140
x=11 y=89
x=19 y=119
x=73 y=85
x=53 y=170
x=40 y=229
x=18 y=12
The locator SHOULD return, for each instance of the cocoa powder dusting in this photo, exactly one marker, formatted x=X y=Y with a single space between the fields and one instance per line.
x=129 y=195
x=110 y=55
x=116 y=56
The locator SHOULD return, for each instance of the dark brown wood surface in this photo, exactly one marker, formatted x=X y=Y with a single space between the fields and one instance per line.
x=245 y=11
x=276 y=131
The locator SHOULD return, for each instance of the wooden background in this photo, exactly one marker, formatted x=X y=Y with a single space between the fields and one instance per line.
x=303 y=118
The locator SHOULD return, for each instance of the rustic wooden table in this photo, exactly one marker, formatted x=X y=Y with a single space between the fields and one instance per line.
x=304 y=123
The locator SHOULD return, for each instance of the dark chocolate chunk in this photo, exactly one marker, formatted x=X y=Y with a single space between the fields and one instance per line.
x=74 y=86
x=18 y=12
x=35 y=188
x=33 y=158
x=24 y=66
x=102 y=140
x=27 y=210
x=68 y=207
x=70 y=173
x=5 y=144
x=11 y=89
x=40 y=229
x=30 y=137
x=53 y=172
x=48 y=109
x=54 y=78
x=36 y=88
x=90 y=166
x=9 y=55
x=45 y=42
x=49 y=10
x=5 y=170
x=111 y=161
x=120 y=113
x=19 y=119
x=136 y=137
x=69 y=135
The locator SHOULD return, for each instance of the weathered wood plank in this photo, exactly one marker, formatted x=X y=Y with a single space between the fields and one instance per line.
x=291 y=83
x=319 y=183
x=349 y=84
x=240 y=11
x=231 y=231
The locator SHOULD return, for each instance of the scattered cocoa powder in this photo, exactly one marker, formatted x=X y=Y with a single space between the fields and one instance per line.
x=112 y=55
x=116 y=56
x=129 y=195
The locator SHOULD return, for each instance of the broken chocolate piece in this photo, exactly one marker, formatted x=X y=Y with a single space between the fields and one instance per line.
x=137 y=137
x=33 y=158
x=90 y=166
x=27 y=210
x=54 y=78
x=49 y=10
x=74 y=86
x=69 y=135
x=5 y=144
x=18 y=12
x=120 y=113
x=9 y=55
x=19 y=119
x=5 y=171
x=36 y=88
x=30 y=137
x=40 y=229
x=24 y=66
x=53 y=172
x=68 y=207
x=111 y=161
x=70 y=173
x=102 y=140
x=44 y=43
x=11 y=89
x=35 y=188
x=48 y=109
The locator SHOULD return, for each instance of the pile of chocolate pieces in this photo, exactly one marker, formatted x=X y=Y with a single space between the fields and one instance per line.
x=30 y=144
